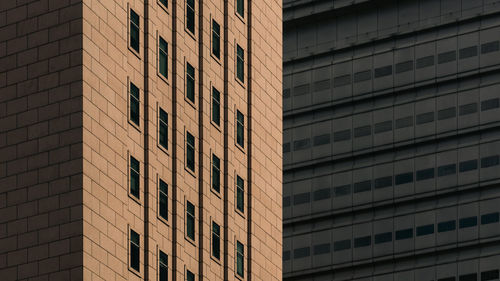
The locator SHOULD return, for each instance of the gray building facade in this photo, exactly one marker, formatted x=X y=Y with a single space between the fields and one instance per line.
x=391 y=140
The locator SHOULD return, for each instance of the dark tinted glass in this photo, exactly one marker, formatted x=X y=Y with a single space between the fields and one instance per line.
x=362 y=131
x=301 y=198
x=190 y=151
x=468 y=277
x=383 y=71
x=190 y=15
x=362 y=186
x=240 y=59
x=404 y=178
x=490 y=275
x=322 y=249
x=240 y=8
x=163 y=263
x=404 y=122
x=190 y=217
x=163 y=129
x=301 y=144
x=489 y=47
x=489 y=104
x=467 y=109
x=425 y=61
x=468 y=52
x=342 y=135
x=134 y=104
x=425 y=230
x=468 y=165
x=163 y=200
x=162 y=63
x=215 y=173
x=215 y=106
x=134 y=250
x=240 y=191
x=489 y=218
x=404 y=234
x=134 y=177
x=447 y=226
x=301 y=252
x=134 y=30
x=342 y=190
x=467 y=222
x=322 y=139
x=362 y=76
x=447 y=170
x=215 y=240
x=383 y=182
x=190 y=82
x=447 y=113
x=383 y=237
x=215 y=39
x=447 y=57
x=425 y=174
x=240 y=129
x=489 y=161
x=342 y=245
x=404 y=66
x=322 y=194
x=425 y=118
x=383 y=127
x=362 y=241
x=342 y=80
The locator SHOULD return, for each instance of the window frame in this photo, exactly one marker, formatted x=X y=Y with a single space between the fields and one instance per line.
x=212 y=40
x=162 y=53
x=193 y=10
x=238 y=190
x=193 y=218
x=160 y=194
x=188 y=78
x=162 y=124
x=238 y=60
x=242 y=124
x=131 y=26
x=132 y=98
x=193 y=147
x=239 y=255
x=137 y=172
x=216 y=124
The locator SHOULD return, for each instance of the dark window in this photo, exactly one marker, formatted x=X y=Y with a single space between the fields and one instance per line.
x=190 y=15
x=383 y=237
x=383 y=127
x=322 y=85
x=301 y=252
x=362 y=241
x=190 y=217
x=447 y=57
x=425 y=61
x=322 y=194
x=468 y=165
x=362 y=76
x=342 y=135
x=489 y=275
x=322 y=249
x=404 y=178
x=489 y=47
x=383 y=71
x=134 y=177
x=467 y=109
x=189 y=276
x=240 y=254
x=165 y=3
x=425 y=118
x=134 y=250
x=240 y=9
x=383 y=182
x=425 y=230
x=342 y=245
x=163 y=57
x=163 y=200
x=489 y=104
x=286 y=255
x=362 y=186
x=134 y=104
x=286 y=147
x=286 y=201
x=215 y=173
x=467 y=222
x=489 y=218
x=404 y=122
x=163 y=265
x=240 y=62
x=447 y=226
x=468 y=52
x=190 y=151
x=301 y=198
x=163 y=129
x=322 y=139
x=489 y=161
x=190 y=82
x=240 y=125
x=362 y=131
x=240 y=191
x=342 y=190
x=301 y=90
x=342 y=80
x=134 y=30
x=215 y=39
x=215 y=106
x=447 y=113
x=425 y=174
x=216 y=240
x=447 y=170
x=404 y=234
x=301 y=144
x=404 y=66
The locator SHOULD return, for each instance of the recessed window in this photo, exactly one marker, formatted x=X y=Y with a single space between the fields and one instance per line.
x=446 y=226
x=490 y=218
x=489 y=104
x=467 y=109
x=190 y=220
x=134 y=250
x=425 y=229
x=342 y=245
x=447 y=170
x=189 y=151
x=240 y=9
x=190 y=82
x=190 y=15
x=216 y=240
x=240 y=62
x=383 y=237
x=134 y=104
x=215 y=39
x=215 y=173
x=164 y=3
x=490 y=161
x=342 y=190
x=322 y=249
x=404 y=234
x=300 y=253
x=404 y=178
x=163 y=129
x=240 y=133
x=362 y=241
x=189 y=276
x=134 y=30
x=468 y=165
x=239 y=258
x=240 y=191
x=382 y=182
x=467 y=222
x=215 y=106
x=163 y=266
x=163 y=57
x=490 y=275
x=134 y=177
x=163 y=200
x=425 y=174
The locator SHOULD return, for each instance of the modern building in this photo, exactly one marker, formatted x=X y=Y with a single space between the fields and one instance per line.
x=140 y=140
x=391 y=140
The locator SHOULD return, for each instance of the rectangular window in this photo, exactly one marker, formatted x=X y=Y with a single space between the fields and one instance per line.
x=425 y=61
x=301 y=252
x=342 y=135
x=134 y=177
x=134 y=30
x=163 y=200
x=240 y=62
x=215 y=106
x=447 y=170
x=322 y=249
x=447 y=226
x=239 y=258
x=404 y=122
x=342 y=245
x=134 y=103
x=489 y=104
x=490 y=218
x=489 y=161
x=301 y=198
x=134 y=250
x=215 y=39
x=468 y=277
x=216 y=240
x=163 y=57
x=163 y=266
x=490 y=275
x=321 y=194
x=342 y=190
x=468 y=165
x=163 y=129
x=404 y=234
x=382 y=127
x=362 y=186
x=490 y=47
x=425 y=230
x=383 y=182
x=240 y=9
x=190 y=15
x=467 y=222
x=189 y=151
x=240 y=191
x=190 y=82
x=362 y=241
x=215 y=173
x=189 y=276
x=383 y=237
x=425 y=174
x=240 y=125
x=467 y=109
x=321 y=139
x=190 y=220
x=404 y=178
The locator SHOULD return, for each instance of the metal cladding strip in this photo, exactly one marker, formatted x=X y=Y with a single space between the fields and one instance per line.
x=200 y=142
x=174 y=140
x=146 y=139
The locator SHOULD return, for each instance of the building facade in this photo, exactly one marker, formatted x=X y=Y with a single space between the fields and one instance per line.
x=391 y=140
x=140 y=140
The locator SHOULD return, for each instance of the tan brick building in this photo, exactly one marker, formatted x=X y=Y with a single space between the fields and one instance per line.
x=140 y=139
